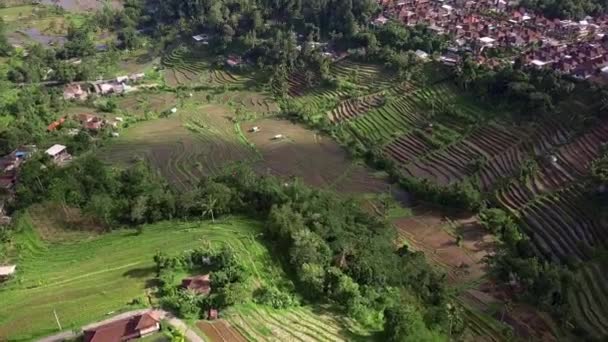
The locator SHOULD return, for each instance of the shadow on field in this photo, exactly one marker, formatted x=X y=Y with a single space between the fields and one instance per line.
x=140 y=273
x=346 y=329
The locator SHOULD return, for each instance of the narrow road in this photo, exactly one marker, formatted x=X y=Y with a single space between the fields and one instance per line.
x=170 y=318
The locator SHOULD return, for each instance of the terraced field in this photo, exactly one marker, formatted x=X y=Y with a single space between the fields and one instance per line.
x=85 y=280
x=191 y=67
x=590 y=301
x=537 y=170
x=185 y=146
x=295 y=324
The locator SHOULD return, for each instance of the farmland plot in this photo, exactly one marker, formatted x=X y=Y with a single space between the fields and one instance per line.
x=257 y=323
x=315 y=158
x=190 y=67
x=183 y=147
x=83 y=281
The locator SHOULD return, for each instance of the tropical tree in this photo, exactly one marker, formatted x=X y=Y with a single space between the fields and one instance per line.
x=175 y=335
x=209 y=206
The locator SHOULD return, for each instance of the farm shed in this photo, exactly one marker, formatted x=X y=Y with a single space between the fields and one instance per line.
x=197 y=284
x=201 y=38
x=124 y=329
x=58 y=153
x=56 y=150
x=421 y=54
x=7 y=271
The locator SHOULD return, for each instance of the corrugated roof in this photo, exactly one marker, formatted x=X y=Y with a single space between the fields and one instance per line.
x=55 y=150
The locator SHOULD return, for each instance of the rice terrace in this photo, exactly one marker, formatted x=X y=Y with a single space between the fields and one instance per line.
x=360 y=170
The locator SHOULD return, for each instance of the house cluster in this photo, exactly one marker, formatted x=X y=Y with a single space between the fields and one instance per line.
x=9 y=168
x=119 y=85
x=577 y=48
x=88 y=122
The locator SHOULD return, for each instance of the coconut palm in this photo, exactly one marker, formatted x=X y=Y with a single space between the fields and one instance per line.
x=209 y=206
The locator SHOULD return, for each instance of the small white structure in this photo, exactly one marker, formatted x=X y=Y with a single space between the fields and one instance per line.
x=487 y=41
x=421 y=55
x=255 y=129
x=553 y=159
x=55 y=150
x=604 y=71
x=381 y=20
x=538 y=63
x=201 y=38
x=59 y=154
x=118 y=118
x=174 y=110
x=115 y=134
x=122 y=79
x=278 y=137
x=7 y=271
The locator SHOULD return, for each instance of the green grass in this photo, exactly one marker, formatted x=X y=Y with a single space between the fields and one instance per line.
x=10 y=14
x=196 y=141
x=157 y=337
x=85 y=281
x=305 y=323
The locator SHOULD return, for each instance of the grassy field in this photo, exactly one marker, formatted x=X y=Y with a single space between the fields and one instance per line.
x=305 y=323
x=185 y=146
x=85 y=281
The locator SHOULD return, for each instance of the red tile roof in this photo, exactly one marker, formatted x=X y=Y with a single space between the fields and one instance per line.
x=121 y=330
x=198 y=284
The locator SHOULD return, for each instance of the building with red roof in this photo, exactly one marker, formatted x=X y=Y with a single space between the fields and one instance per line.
x=197 y=284
x=124 y=329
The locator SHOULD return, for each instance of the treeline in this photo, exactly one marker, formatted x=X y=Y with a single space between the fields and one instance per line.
x=335 y=251
x=26 y=112
x=231 y=18
x=515 y=264
x=567 y=9
x=130 y=197
x=227 y=281
x=529 y=92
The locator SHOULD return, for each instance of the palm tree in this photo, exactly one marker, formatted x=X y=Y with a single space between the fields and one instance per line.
x=209 y=207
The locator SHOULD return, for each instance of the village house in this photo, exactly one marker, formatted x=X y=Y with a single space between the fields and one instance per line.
x=59 y=154
x=381 y=20
x=577 y=48
x=9 y=167
x=200 y=284
x=90 y=122
x=75 y=91
x=234 y=61
x=125 y=329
